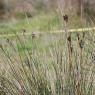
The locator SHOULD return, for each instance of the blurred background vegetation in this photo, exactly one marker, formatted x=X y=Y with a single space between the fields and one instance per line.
x=43 y=15
x=20 y=8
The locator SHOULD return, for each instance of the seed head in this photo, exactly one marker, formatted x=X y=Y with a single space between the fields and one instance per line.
x=69 y=38
x=81 y=44
x=65 y=17
x=83 y=34
x=33 y=35
x=7 y=40
x=24 y=30
x=93 y=57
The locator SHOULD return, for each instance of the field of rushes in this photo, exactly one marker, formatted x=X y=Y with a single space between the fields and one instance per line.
x=49 y=65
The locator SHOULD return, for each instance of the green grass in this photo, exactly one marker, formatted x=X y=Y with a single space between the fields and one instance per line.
x=42 y=22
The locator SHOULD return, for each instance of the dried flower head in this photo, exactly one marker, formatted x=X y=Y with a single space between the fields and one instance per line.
x=7 y=40
x=69 y=38
x=65 y=17
x=81 y=44
x=93 y=57
x=33 y=35
x=24 y=30
x=78 y=36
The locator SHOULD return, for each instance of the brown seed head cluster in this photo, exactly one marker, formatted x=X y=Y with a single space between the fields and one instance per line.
x=65 y=17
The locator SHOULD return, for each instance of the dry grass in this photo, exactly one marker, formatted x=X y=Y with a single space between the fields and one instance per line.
x=65 y=67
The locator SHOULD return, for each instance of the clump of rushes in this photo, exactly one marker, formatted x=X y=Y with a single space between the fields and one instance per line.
x=56 y=69
x=80 y=41
x=68 y=40
x=47 y=73
x=69 y=51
